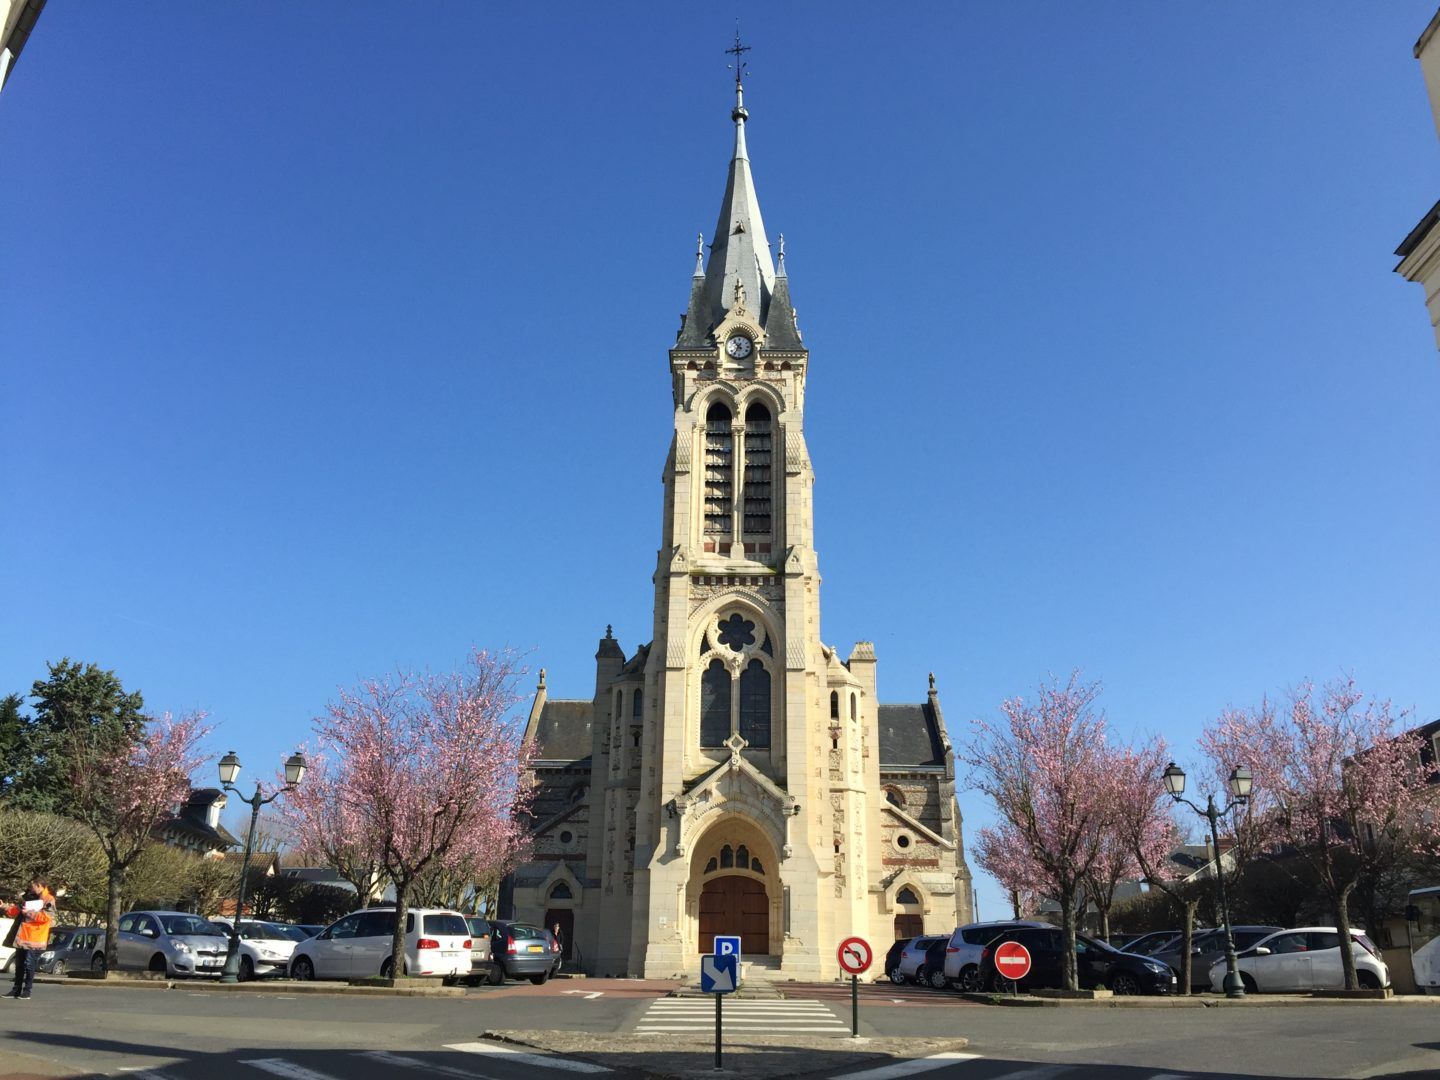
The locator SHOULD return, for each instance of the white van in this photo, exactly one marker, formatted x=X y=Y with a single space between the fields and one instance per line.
x=437 y=942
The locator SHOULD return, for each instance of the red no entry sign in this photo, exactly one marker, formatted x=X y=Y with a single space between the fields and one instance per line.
x=1012 y=960
x=855 y=955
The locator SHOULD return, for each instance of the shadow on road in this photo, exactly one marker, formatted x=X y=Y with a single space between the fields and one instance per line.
x=362 y=1064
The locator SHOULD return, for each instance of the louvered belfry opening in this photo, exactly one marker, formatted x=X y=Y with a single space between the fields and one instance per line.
x=759 y=452
x=719 y=471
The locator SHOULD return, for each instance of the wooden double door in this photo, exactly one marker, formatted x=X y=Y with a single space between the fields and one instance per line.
x=732 y=904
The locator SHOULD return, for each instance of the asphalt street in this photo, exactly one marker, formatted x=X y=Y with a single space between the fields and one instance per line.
x=189 y=1033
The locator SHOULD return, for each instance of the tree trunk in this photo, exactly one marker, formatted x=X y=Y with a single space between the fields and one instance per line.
x=397 y=941
x=112 y=918
x=1070 y=974
x=1187 y=938
x=1347 y=947
x=1104 y=922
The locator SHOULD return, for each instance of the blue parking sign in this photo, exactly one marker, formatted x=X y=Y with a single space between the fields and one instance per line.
x=727 y=946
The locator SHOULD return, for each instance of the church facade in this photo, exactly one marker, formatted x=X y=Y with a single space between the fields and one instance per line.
x=737 y=775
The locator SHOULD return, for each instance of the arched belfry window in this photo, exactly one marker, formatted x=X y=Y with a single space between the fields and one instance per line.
x=719 y=470
x=714 y=705
x=755 y=705
x=758 y=475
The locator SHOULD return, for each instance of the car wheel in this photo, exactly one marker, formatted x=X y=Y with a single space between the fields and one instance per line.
x=158 y=964
x=247 y=969
x=1367 y=980
x=970 y=980
x=59 y=968
x=937 y=979
x=389 y=966
x=496 y=975
x=539 y=980
x=896 y=977
x=97 y=963
x=303 y=969
x=1124 y=984
x=1248 y=982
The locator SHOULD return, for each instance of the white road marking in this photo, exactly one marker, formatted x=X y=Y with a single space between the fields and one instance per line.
x=589 y=995
x=1041 y=1072
x=400 y=1061
x=546 y=1061
x=144 y=1072
x=913 y=1065
x=839 y=1029
x=287 y=1069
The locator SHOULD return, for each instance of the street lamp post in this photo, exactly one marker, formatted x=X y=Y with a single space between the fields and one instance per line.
x=1239 y=784
x=229 y=771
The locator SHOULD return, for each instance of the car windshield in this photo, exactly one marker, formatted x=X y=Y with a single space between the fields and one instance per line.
x=524 y=930
x=1368 y=945
x=189 y=924
x=447 y=925
x=291 y=933
x=261 y=932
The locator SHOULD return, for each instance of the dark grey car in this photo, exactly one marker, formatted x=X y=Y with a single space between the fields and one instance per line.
x=522 y=950
x=1206 y=947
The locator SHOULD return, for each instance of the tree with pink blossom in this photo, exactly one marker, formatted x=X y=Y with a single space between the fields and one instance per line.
x=123 y=785
x=427 y=772
x=323 y=825
x=1143 y=822
x=1044 y=766
x=1002 y=853
x=1337 y=784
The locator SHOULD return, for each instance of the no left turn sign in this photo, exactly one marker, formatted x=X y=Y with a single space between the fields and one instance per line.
x=855 y=955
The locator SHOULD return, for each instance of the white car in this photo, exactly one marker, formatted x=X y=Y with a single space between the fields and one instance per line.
x=265 y=949
x=1306 y=958
x=437 y=942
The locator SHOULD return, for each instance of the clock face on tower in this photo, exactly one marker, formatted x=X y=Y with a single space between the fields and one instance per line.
x=739 y=346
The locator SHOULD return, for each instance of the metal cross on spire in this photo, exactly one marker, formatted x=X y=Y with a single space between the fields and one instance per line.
x=738 y=51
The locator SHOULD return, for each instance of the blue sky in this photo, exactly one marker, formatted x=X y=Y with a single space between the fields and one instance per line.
x=335 y=342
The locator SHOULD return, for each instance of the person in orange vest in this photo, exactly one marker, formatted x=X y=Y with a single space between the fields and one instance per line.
x=36 y=915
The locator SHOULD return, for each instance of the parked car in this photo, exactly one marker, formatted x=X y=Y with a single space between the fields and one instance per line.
x=75 y=949
x=174 y=943
x=265 y=949
x=962 y=953
x=437 y=942
x=892 y=960
x=1306 y=958
x=7 y=952
x=1097 y=964
x=912 y=957
x=481 y=962
x=309 y=929
x=1206 y=947
x=931 y=971
x=520 y=949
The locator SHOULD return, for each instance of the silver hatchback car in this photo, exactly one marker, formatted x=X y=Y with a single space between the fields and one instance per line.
x=172 y=943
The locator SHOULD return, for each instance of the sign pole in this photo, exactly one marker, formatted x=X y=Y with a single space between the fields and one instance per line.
x=718 y=1007
x=854 y=1007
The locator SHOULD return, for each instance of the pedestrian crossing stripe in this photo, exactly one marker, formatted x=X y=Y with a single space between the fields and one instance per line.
x=672 y=1016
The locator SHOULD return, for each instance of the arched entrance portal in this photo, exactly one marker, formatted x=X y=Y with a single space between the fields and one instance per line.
x=733 y=904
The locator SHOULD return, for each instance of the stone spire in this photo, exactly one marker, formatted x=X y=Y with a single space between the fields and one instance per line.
x=739 y=251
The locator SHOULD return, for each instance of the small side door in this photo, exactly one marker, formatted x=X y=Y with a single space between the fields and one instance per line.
x=373 y=941
x=1092 y=964
x=331 y=948
x=1288 y=965
x=1327 y=971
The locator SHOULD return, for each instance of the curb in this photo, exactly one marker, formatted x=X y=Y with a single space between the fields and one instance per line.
x=1195 y=1002
x=257 y=987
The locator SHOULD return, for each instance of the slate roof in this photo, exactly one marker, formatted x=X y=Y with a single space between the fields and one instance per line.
x=563 y=733
x=909 y=735
x=637 y=662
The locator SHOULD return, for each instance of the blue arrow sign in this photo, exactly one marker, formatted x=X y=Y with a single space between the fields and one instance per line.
x=727 y=946
x=719 y=974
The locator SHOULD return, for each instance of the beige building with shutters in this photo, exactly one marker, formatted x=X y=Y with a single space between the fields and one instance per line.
x=736 y=774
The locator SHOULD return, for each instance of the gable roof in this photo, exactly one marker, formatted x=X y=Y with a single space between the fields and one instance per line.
x=562 y=732
x=910 y=735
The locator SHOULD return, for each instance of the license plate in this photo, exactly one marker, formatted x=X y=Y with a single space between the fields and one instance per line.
x=535 y=948
x=451 y=955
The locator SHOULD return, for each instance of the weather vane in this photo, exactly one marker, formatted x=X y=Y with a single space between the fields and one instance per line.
x=738 y=51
